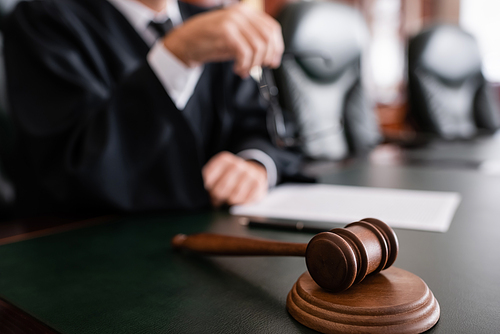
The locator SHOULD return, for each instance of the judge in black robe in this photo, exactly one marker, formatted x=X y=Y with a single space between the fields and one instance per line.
x=96 y=129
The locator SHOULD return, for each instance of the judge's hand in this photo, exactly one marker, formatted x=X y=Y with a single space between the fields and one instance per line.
x=233 y=180
x=238 y=32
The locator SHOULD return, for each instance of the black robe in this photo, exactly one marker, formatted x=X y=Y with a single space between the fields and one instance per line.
x=96 y=129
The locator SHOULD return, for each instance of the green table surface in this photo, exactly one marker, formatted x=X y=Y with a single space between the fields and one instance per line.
x=123 y=277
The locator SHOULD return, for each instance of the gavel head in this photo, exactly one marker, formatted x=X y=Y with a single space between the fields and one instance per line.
x=344 y=256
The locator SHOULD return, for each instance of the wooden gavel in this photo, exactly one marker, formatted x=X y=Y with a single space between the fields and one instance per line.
x=335 y=259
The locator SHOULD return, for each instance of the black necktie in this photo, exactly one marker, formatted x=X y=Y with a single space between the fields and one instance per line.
x=161 y=28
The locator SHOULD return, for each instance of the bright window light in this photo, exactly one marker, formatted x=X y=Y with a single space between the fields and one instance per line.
x=481 y=18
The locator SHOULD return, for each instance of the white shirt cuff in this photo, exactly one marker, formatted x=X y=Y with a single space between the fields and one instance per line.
x=178 y=80
x=265 y=160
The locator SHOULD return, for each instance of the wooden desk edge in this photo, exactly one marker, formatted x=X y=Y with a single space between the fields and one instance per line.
x=56 y=229
x=13 y=320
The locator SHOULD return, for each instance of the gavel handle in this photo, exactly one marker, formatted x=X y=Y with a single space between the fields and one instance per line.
x=215 y=244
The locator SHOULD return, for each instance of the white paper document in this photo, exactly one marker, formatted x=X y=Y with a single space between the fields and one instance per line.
x=410 y=209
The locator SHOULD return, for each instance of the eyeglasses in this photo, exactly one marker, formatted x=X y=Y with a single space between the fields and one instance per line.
x=276 y=124
x=275 y=119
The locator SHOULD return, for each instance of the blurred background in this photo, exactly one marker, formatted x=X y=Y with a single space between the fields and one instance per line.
x=392 y=23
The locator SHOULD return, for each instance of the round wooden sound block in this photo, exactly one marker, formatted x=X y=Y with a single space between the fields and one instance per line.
x=392 y=301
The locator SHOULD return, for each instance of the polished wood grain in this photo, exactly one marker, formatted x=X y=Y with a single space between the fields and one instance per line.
x=24 y=229
x=216 y=244
x=15 y=321
x=335 y=259
x=394 y=301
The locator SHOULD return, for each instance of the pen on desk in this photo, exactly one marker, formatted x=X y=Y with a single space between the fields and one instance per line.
x=290 y=225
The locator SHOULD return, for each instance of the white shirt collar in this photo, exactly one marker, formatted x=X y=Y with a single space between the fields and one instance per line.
x=139 y=16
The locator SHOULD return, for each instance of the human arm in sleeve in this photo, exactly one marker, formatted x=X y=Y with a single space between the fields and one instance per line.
x=97 y=131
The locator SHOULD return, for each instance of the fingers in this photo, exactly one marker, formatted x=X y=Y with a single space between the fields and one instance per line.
x=241 y=48
x=279 y=45
x=269 y=32
x=232 y=180
x=250 y=189
x=215 y=168
x=220 y=175
x=226 y=185
x=238 y=33
x=258 y=41
x=259 y=45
